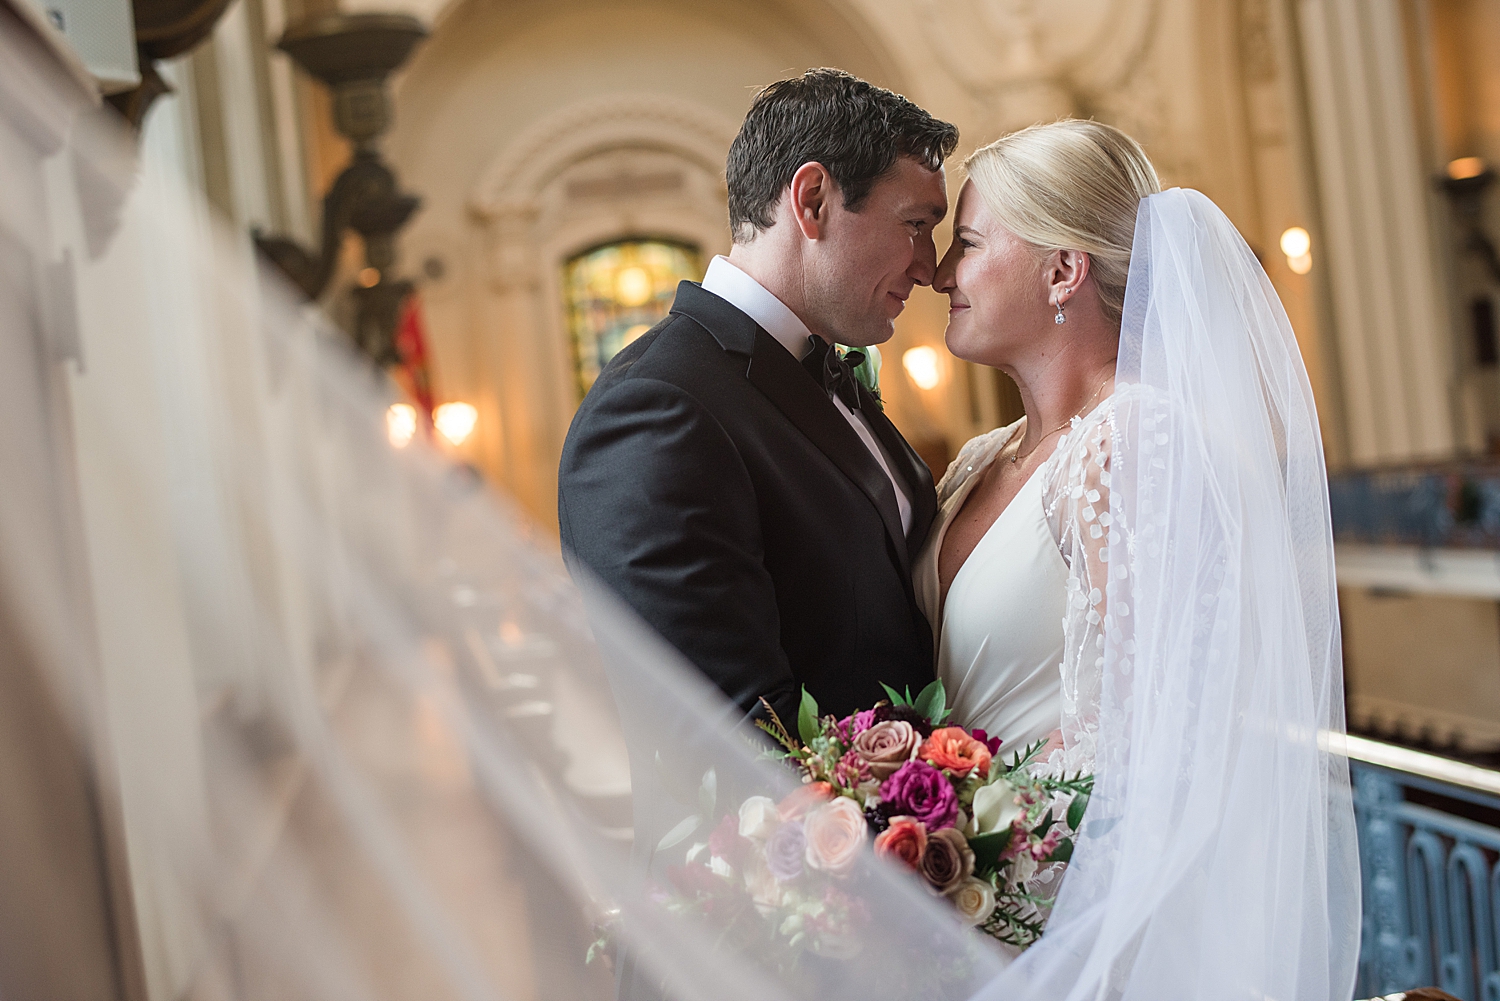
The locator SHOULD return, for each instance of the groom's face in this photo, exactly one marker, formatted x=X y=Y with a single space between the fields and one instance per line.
x=865 y=263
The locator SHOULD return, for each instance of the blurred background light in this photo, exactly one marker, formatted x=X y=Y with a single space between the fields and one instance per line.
x=633 y=286
x=1465 y=167
x=455 y=421
x=921 y=363
x=1296 y=244
x=400 y=424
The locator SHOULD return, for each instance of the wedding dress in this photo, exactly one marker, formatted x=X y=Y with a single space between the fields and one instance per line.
x=997 y=633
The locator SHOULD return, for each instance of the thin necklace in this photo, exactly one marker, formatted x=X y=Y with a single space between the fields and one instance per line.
x=1016 y=455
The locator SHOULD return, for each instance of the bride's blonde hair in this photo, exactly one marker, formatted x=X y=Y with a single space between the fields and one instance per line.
x=1070 y=185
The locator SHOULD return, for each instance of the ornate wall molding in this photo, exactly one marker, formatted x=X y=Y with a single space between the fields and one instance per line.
x=587 y=128
x=1025 y=64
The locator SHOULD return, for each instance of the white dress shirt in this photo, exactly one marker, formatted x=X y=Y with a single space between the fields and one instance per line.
x=774 y=316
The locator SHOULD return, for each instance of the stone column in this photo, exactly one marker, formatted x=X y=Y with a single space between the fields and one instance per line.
x=1390 y=316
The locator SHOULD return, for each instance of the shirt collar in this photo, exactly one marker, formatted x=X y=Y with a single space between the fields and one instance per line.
x=751 y=298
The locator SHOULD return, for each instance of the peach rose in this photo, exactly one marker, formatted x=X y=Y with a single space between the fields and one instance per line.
x=887 y=746
x=799 y=801
x=953 y=749
x=905 y=841
x=835 y=833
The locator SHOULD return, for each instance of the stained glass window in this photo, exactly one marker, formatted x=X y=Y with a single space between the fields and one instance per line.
x=619 y=291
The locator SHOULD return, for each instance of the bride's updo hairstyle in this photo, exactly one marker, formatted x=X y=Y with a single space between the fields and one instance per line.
x=1070 y=185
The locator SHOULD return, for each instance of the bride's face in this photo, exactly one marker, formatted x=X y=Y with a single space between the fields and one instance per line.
x=996 y=286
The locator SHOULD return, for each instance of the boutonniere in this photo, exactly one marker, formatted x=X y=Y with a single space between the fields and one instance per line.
x=866 y=370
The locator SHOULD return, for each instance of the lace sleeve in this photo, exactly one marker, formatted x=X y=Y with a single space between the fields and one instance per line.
x=1095 y=541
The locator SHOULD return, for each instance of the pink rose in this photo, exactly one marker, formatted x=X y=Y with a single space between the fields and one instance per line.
x=887 y=746
x=835 y=833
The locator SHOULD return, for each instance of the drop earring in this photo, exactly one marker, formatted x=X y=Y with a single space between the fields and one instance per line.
x=1060 y=318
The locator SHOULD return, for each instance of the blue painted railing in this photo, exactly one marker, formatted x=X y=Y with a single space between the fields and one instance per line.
x=1454 y=506
x=1431 y=883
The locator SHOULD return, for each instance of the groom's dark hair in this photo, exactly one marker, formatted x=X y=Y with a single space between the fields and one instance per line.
x=855 y=129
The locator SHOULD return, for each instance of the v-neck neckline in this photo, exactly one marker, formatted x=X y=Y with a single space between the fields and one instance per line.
x=958 y=500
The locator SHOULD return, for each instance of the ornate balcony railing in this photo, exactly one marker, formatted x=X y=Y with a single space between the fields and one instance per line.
x=1429 y=842
x=1448 y=507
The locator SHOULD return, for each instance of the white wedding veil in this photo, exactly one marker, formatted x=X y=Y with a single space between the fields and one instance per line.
x=1218 y=857
x=289 y=712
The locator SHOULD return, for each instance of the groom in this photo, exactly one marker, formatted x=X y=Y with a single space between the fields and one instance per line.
x=726 y=475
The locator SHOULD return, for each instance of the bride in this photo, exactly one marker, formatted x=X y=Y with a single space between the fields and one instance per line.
x=1141 y=569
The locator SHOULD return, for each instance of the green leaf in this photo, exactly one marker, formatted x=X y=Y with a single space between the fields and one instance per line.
x=679 y=834
x=1063 y=852
x=987 y=849
x=932 y=700
x=893 y=695
x=708 y=793
x=807 y=718
x=1076 y=810
x=1041 y=829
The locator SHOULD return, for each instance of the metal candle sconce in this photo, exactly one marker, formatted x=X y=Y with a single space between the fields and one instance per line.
x=354 y=55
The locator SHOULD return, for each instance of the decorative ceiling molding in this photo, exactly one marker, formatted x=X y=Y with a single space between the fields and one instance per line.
x=1024 y=62
x=620 y=121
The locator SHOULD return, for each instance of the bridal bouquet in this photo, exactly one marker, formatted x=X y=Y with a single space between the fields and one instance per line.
x=891 y=781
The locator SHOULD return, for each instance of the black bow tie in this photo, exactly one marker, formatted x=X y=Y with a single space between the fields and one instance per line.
x=833 y=372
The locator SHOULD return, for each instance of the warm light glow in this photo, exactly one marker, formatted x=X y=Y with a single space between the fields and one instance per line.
x=1295 y=242
x=634 y=332
x=1465 y=167
x=400 y=424
x=921 y=364
x=633 y=287
x=369 y=277
x=455 y=421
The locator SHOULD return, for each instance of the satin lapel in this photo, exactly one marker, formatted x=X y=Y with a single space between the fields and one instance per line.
x=909 y=466
x=786 y=384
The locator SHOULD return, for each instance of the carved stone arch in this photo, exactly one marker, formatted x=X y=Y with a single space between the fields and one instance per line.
x=587 y=128
x=610 y=168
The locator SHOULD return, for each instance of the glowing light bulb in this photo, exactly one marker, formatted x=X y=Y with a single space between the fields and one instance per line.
x=1465 y=167
x=455 y=421
x=922 y=364
x=1296 y=244
x=400 y=424
x=633 y=287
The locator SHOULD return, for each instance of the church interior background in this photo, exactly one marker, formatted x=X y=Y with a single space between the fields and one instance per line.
x=568 y=156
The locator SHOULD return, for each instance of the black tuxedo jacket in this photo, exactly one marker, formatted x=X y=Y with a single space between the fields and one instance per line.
x=709 y=481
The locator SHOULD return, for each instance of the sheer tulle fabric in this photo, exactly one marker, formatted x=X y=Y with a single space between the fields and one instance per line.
x=361 y=732
x=359 y=729
x=1202 y=671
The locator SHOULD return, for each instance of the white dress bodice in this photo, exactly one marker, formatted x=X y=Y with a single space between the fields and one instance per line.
x=999 y=636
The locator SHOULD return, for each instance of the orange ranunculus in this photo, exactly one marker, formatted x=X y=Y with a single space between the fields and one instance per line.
x=952 y=748
x=905 y=841
x=800 y=800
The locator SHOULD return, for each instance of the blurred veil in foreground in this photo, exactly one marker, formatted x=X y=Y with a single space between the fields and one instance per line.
x=348 y=730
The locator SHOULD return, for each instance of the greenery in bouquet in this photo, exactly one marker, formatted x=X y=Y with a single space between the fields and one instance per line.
x=985 y=833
